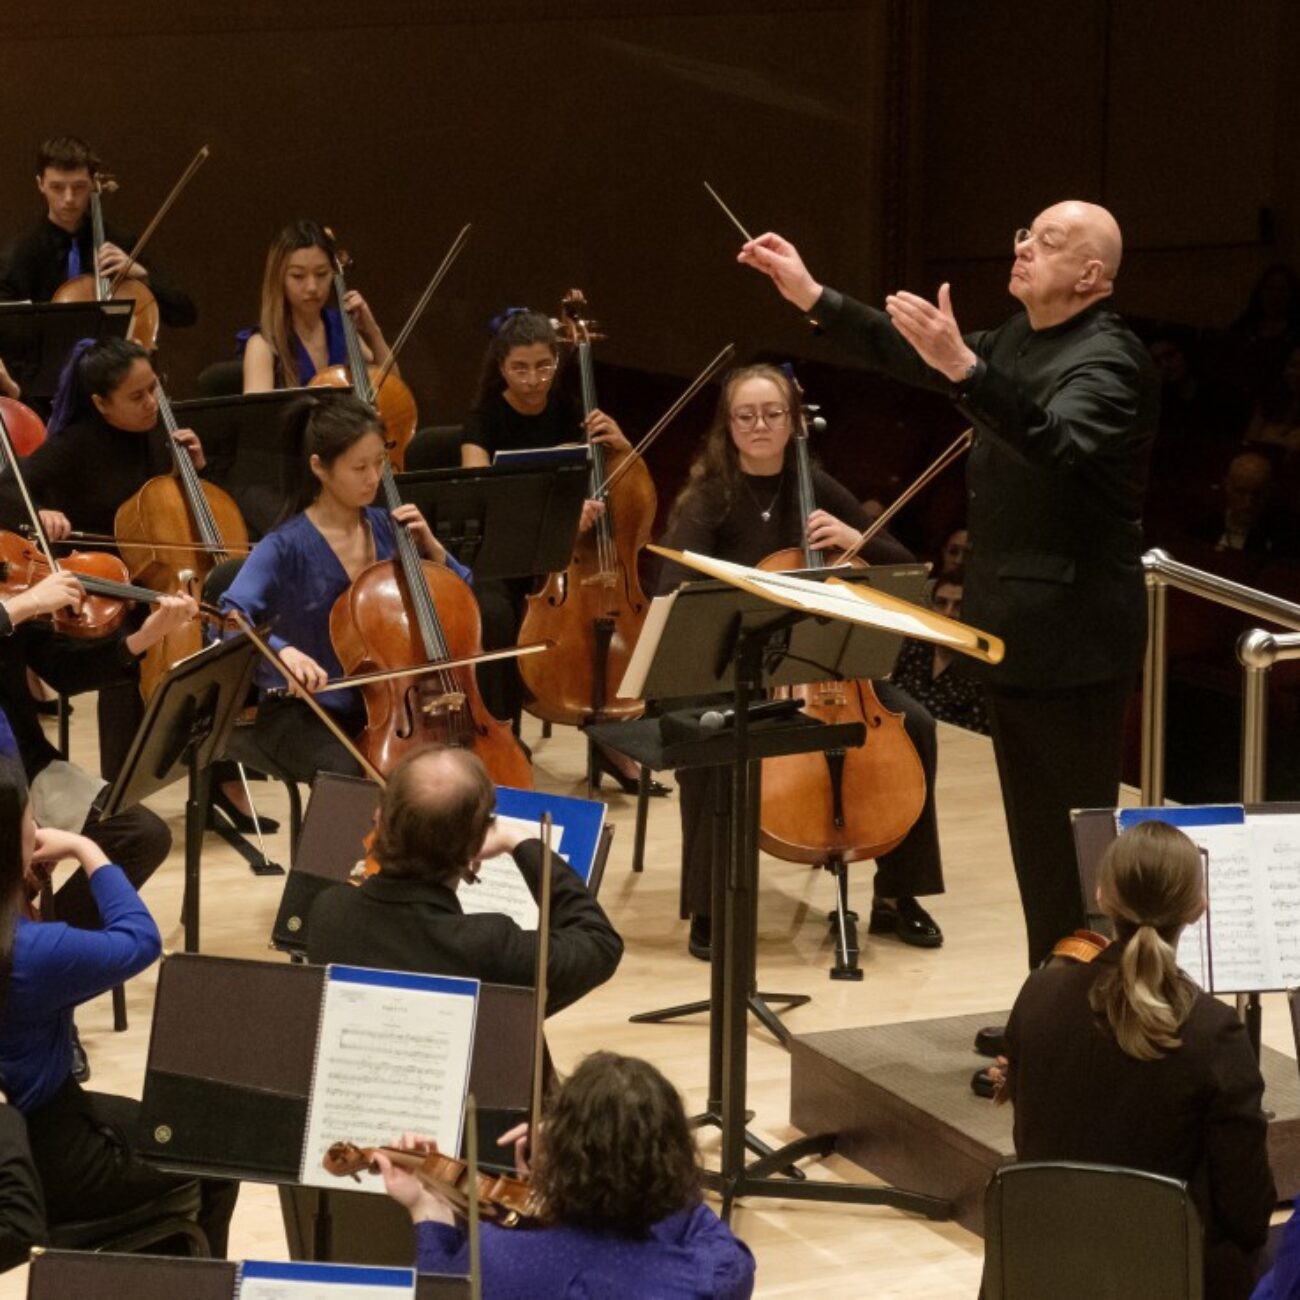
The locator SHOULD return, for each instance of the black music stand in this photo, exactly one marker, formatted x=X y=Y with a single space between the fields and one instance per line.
x=717 y=636
x=36 y=337
x=185 y=729
x=515 y=521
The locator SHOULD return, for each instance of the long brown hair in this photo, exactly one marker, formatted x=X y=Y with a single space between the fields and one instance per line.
x=1151 y=885
x=275 y=322
x=716 y=466
x=617 y=1153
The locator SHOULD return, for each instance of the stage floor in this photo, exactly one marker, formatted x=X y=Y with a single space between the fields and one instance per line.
x=801 y=1248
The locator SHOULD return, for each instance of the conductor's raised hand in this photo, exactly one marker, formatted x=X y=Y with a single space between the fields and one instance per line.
x=779 y=260
x=931 y=328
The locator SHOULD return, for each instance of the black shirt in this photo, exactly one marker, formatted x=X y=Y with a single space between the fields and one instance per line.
x=34 y=264
x=497 y=426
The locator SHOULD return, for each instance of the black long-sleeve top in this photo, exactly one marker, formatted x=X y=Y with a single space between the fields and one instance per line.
x=710 y=522
x=34 y=264
x=87 y=470
x=1064 y=420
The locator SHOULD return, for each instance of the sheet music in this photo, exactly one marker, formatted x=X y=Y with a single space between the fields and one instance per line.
x=266 y=1280
x=392 y=1056
x=1276 y=850
x=501 y=886
x=647 y=642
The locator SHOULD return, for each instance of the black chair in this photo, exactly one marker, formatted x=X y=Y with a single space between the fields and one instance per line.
x=436 y=447
x=221 y=379
x=169 y=1217
x=1079 y=1232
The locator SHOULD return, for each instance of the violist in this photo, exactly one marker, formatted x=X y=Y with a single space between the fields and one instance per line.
x=331 y=532
x=300 y=328
x=59 y=246
x=740 y=503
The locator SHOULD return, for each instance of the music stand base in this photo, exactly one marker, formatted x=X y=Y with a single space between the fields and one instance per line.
x=758 y=1007
x=711 y=1117
x=258 y=863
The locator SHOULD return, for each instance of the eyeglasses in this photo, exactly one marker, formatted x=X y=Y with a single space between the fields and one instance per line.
x=1049 y=241
x=747 y=417
x=521 y=370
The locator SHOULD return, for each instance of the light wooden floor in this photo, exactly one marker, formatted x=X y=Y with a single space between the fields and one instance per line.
x=800 y=1248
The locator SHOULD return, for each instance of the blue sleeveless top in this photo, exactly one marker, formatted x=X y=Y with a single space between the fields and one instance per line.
x=334 y=339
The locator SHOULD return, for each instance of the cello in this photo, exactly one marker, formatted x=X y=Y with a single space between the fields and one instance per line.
x=594 y=610
x=171 y=534
x=380 y=387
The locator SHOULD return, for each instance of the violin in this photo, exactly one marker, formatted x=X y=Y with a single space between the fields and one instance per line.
x=380 y=387
x=594 y=610
x=153 y=530
x=26 y=428
x=1081 y=946
x=843 y=805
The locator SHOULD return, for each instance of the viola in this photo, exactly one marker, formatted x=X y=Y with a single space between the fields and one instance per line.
x=154 y=530
x=1081 y=946
x=594 y=610
x=843 y=805
x=26 y=428
x=382 y=388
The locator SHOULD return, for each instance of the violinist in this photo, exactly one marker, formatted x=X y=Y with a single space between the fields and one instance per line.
x=740 y=503
x=105 y=441
x=80 y=1141
x=300 y=330
x=58 y=247
x=435 y=827
x=616 y=1171
x=331 y=532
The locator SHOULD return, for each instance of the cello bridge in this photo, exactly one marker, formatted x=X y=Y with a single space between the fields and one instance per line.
x=445 y=702
x=605 y=578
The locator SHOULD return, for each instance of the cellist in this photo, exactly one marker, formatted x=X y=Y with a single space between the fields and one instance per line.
x=58 y=246
x=330 y=533
x=740 y=503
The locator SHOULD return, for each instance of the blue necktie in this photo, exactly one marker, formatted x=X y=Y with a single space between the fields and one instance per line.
x=74 y=260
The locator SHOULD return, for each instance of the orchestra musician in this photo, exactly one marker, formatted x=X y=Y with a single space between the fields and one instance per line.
x=300 y=328
x=59 y=247
x=740 y=503
x=617 y=1174
x=330 y=533
x=1124 y=1061
x=435 y=827
x=80 y=1141
x=1063 y=400
x=105 y=442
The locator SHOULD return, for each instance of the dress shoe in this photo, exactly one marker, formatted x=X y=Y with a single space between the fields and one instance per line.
x=700 y=943
x=605 y=766
x=991 y=1041
x=908 y=920
x=236 y=817
x=80 y=1061
x=983 y=1084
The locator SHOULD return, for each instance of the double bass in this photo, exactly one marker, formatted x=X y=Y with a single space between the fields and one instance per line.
x=593 y=611
x=171 y=534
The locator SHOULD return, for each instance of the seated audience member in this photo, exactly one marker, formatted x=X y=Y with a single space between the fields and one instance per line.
x=1256 y=344
x=80 y=1141
x=435 y=826
x=1275 y=420
x=928 y=673
x=1251 y=519
x=952 y=555
x=1124 y=1061
x=615 y=1172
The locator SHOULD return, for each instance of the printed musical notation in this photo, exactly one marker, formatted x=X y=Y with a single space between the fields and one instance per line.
x=500 y=886
x=392 y=1056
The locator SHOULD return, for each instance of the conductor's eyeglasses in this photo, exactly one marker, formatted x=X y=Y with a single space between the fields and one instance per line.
x=1049 y=241
x=748 y=417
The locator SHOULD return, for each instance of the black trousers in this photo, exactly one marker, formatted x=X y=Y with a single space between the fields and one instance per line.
x=501 y=605
x=137 y=840
x=914 y=868
x=301 y=743
x=81 y=1145
x=120 y=710
x=22 y=1207
x=1056 y=750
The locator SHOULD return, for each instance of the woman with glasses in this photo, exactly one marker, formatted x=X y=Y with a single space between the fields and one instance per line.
x=741 y=503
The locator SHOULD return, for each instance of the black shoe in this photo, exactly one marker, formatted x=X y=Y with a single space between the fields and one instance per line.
x=50 y=708
x=605 y=766
x=700 y=943
x=908 y=920
x=991 y=1041
x=80 y=1061
x=236 y=818
x=983 y=1084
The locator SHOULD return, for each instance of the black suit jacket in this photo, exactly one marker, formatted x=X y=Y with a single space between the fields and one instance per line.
x=1194 y=1115
x=1064 y=420
x=416 y=926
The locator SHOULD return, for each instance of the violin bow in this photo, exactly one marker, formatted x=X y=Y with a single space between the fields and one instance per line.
x=638 y=452
x=425 y=298
x=543 y=954
x=958 y=448
x=186 y=176
x=103 y=539
x=272 y=656
x=425 y=670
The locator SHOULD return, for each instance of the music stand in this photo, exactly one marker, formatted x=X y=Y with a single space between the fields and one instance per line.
x=505 y=521
x=185 y=729
x=36 y=337
x=715 y=635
